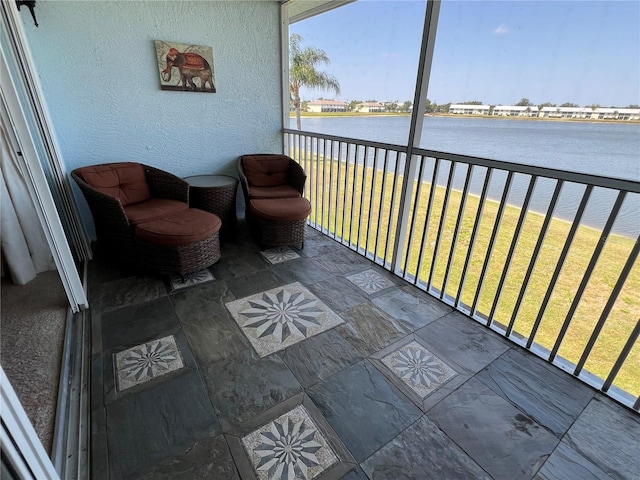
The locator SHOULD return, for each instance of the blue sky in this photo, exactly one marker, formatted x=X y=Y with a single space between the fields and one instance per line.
x=582 y=52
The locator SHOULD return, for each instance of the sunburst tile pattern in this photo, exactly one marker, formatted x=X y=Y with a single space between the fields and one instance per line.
x=149 y=360
x=289 y=447
x=280 y=317
x=279 y=254
x=420 y=369
x=370 y=281
x=196 y=278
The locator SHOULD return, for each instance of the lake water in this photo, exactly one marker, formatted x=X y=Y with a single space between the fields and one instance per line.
x=605 y=149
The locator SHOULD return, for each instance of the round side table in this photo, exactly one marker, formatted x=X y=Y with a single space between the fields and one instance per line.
x=215 y=194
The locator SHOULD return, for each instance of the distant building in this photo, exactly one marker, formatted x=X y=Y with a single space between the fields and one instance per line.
x=368 y=107
x=515 y=111
x=575 y=112
x=320 y=106
x=461 y=109
x=549 y=112
x=612 y=113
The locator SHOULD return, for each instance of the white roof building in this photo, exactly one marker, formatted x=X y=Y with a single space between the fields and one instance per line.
x=575 y=112
x=549 y=112
x=370 y=107
x=319 y=106
x=612 y=113
x=462 y=109
x=515 y=111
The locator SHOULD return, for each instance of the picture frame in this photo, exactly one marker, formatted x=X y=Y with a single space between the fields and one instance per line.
x=184 y=67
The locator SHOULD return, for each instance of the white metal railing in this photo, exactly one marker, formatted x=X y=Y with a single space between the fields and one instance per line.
x=509 y=245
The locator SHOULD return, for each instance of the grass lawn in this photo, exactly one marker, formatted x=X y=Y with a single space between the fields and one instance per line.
x=368 y=193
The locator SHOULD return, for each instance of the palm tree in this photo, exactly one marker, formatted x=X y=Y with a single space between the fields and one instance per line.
x=303 y=72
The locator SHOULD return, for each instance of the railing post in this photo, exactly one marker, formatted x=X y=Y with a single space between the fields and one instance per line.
x=415 y=129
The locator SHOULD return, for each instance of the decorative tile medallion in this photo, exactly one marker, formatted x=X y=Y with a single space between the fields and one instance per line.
x=418 y=368
x=149 y=360
x=370 y=281
x=196 y=278
x=280 y=317
x=290 y=447
x=279 y=254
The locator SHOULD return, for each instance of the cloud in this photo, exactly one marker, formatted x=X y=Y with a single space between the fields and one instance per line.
x=501 y=30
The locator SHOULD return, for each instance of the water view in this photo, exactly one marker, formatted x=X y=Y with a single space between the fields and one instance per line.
x=605 y=149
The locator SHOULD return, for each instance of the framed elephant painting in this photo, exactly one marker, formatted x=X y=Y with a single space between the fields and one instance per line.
x=185 y=68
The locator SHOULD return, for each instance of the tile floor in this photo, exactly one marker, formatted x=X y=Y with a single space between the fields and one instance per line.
x=316 y=363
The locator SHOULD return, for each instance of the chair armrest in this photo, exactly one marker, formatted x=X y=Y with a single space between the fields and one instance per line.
x=297 y=176
x=243 y=181
x=108 y=213
x=166 y=185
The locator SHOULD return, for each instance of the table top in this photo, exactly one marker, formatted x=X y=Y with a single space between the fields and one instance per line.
x=211 y=180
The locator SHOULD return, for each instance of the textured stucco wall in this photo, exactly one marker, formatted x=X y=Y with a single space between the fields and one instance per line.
x=97 y=65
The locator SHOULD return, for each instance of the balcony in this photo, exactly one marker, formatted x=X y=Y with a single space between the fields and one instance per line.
x=378 y=379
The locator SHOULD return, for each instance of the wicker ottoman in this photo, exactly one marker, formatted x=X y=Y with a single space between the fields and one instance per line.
x=180 y=243
x=276 y=222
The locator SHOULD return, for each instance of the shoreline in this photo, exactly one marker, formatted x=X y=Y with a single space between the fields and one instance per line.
x=455 y=115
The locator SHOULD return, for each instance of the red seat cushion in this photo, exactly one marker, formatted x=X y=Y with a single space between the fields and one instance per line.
x=281 y=209
x=280 y=191
x=153 y=208
x=126 y=181
x=266 y=170
x=183 y=228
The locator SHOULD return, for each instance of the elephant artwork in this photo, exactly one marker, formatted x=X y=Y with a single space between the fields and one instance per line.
x=185 y=67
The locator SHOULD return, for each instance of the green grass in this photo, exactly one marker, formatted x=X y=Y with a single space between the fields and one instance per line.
x=620 y=323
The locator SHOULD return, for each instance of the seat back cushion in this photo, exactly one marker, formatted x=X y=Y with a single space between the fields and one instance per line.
x=126 y=181
x=280 y=191
x=266 y=170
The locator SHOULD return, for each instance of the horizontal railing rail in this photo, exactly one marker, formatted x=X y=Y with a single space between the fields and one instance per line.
x=547 y=258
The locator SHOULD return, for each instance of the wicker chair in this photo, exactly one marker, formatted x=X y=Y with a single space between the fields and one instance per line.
x=275 y=210
x=142 y=217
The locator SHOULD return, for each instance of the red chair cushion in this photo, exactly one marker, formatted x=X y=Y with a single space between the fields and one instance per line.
x=266 y=170
x=183 y=228
x=279 y=191
x=281 y=209
x=126 y=181
x=153 y=208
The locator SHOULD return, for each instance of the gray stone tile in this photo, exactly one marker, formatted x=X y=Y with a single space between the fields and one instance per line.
x=401 y=304
x=218 y=341
x=338 y=294
x=241 y=265
x=257 y=282
x=504 y=442
x=551 y=397
x=422 y=452
x=208 y=458
x=356 y=474
x=203 y=305
x=129 y=291
x=566 y=464
x=464 y=341
x=319 y=249
x=609 y=435
x=245 y=385
x=158 y=423
x=138 y=323
x=369 y=329
x=343 y=262
x=304 y=270
x=363 y=408
x=319 y=357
